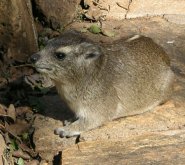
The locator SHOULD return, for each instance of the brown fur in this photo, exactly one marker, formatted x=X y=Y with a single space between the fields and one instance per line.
x=104 y=82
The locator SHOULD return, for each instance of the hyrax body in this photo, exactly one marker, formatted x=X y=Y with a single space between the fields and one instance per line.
x=104 y=82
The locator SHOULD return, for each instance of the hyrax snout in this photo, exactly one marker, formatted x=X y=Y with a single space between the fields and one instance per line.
x=101 y=82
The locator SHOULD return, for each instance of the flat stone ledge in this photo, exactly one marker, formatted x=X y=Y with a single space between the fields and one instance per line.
x=177 y=19
x=141 y=8
x=141 y=150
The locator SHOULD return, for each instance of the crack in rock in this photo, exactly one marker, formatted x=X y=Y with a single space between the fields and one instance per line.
x=128 y=8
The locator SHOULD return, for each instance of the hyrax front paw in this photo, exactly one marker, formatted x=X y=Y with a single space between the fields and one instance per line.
x=73 y=129
x=65 y=132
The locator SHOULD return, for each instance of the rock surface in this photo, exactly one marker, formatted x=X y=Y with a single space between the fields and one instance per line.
x=2 y=148
x=57 y=13
x=175 y=18
x=47 y=144
x=108 y=9
x=173 y=10
x=141 y=150
x=17 y=29
x=141 y=8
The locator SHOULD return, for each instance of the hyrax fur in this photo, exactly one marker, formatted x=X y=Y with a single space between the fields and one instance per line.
x=102 y=82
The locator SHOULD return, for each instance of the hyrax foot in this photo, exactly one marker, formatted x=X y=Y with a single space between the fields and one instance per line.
x=70 y=130
x=65 y=132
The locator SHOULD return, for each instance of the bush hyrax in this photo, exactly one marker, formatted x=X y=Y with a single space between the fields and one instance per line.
x=102 y=82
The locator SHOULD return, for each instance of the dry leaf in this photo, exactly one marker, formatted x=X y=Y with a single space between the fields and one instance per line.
x=18 y=128
x=7 y=138
x=33 y=162
x=11 y=112
x=2 y=110
x=108 y=33
x=21 y=154
x=28 y=150
x=21 y=111
x=2 y=128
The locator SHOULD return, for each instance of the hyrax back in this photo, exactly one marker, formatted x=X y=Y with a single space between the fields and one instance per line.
x=104 y=82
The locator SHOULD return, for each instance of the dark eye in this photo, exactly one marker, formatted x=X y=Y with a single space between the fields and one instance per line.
x=60 y=55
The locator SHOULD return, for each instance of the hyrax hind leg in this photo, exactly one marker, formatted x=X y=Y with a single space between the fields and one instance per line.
x=166 y=85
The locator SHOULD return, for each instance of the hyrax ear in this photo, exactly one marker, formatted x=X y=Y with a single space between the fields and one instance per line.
x=91 y=51
x=92 y=55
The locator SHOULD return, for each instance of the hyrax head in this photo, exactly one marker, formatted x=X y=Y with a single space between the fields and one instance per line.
x=68 y=57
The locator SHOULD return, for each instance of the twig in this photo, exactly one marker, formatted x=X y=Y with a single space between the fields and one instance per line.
x=23 y=65
x=121 y=6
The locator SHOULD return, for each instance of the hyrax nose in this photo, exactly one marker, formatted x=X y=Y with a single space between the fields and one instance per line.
x=34 y=58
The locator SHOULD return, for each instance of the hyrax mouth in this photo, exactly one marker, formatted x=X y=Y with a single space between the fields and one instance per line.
x=43 y=69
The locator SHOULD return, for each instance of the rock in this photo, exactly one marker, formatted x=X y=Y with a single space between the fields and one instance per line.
x=141 y=8
x=121 y=9
x=117 y=9
x=47 y=144
x=140 y=150
x=17 y=30
x=2 y=148
x=110 y=10
x=56 y=13
x=175 y=18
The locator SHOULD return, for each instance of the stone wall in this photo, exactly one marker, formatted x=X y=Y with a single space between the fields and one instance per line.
x=17 y=29
x=173 y=10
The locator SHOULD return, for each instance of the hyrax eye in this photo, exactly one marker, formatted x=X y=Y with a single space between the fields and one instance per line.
x=60 y=55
